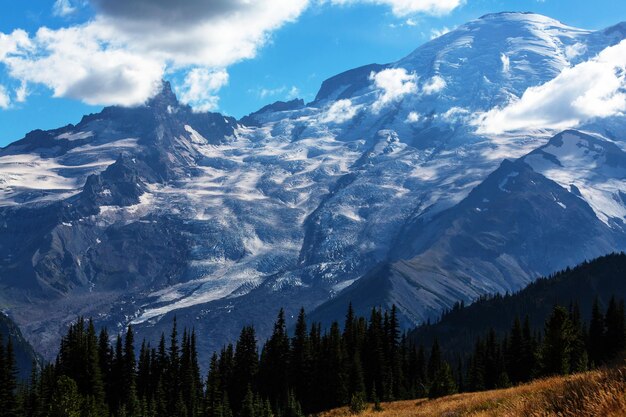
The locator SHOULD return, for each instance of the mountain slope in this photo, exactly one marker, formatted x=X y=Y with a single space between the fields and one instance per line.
x=458 y=329
x=25 y=355
x=516 y=225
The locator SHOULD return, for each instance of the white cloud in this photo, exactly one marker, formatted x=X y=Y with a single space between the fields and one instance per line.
x=289 y=93
x=271 y=92
x=339 y=112
x=121 y=55
x=200 y=87
x=73 y=63
x=456 y=114
x=406 y=7
x=11 y=43
x=436 y=33
x=592 y=89
x=393 y=84
x=575 y=50
x=5 y=101
x=294 y=92
x=413 y=117
x=435 y=85
x=63 y=8
x=506 y=63
x=21 y=93
x=410 y=22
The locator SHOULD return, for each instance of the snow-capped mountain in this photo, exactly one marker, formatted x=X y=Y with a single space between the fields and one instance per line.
x=381 y=190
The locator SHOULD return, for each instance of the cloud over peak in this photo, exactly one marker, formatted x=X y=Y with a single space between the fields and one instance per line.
x=392 y=84
x=592 y=89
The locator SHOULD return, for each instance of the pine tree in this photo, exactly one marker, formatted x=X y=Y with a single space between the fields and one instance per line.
x=129 y=376
x=529 y=363
x=515 y=353
x=66 y=400
x=105 y=359
x=578 y=355
x=434 y=362
x=476 y=370
x=394 y=358
x=245 y=366
x=300 y=361
x=443 y=382
x=8 y=380
x=557 y=343
x=615 y=337
x=595 y=344
x=248 y=408
x=274 y=364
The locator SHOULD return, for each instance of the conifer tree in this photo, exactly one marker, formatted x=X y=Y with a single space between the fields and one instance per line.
x=434 y=362
x=8 y=380
x=66 y=400
x=245 y=366
x=615 y=337
x=443 y=382
x=595 y=345
x=129 y=376
x=273 y=367
x=578 y=354
x=300 y=361
x=557 y=343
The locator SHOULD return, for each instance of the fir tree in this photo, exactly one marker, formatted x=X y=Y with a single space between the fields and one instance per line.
x=557 y=343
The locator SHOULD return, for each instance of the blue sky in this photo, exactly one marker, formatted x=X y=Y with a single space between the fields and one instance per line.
x=289 y=55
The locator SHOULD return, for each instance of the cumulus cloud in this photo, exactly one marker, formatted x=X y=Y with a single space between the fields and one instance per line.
x=392 y=84
x=406 y=7
x=456 y=115
x=120 y=55
x=13 y=42
x=434 y=85
x=293 y=92
x=5 y=100
x=436 y=33
x=63 y=8
x=339 y=112
x=413 y=117
x=575 y=50
x=288 y=93
x=592 y=89
x=73 y=63
x=21 y=93
x=200 y=87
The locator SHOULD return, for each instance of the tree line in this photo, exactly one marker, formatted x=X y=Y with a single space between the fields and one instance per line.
x=365 y=360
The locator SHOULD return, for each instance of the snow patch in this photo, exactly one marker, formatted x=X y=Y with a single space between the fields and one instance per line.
x=75 y=136
x=505 y=181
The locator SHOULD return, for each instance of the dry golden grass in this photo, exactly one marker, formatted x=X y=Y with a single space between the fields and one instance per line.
x=596 y=393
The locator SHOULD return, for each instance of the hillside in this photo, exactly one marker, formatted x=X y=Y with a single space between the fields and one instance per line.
x=595 y=393
x=457 y=330
x=24 y=352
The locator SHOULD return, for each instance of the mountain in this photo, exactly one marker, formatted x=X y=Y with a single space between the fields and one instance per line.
x=547 y=210
x=379 y=191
